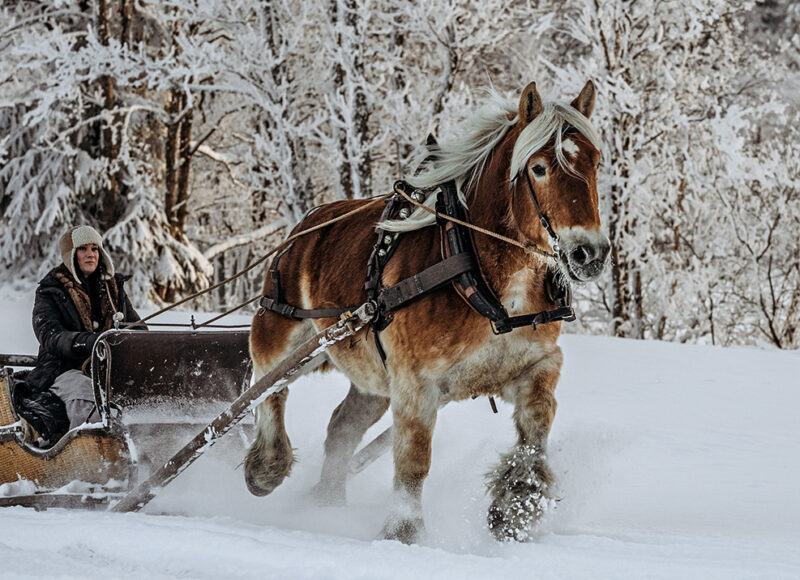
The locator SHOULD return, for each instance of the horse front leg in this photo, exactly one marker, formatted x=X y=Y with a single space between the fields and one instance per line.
x=521 y=485
x=349 y=421
x=414 y=418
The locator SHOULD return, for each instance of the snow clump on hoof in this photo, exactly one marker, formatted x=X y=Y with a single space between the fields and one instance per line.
x=520 y=488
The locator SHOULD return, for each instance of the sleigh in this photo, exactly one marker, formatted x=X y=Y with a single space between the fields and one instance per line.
x=151 y=389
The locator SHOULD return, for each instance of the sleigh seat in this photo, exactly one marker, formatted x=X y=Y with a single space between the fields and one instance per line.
x=92 y=453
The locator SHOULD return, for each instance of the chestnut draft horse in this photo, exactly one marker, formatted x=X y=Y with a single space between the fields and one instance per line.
x=437 y=348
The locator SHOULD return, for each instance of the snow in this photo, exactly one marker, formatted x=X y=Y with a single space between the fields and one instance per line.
x=673 y=461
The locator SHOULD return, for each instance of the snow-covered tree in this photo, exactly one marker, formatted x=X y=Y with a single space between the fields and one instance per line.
x=83 y=146
x=195 y=133
x=677 y=83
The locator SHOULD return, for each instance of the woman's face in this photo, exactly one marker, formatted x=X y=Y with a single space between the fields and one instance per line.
x=88 y=258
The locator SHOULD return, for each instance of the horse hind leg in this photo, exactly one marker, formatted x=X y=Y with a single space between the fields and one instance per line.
x=270 y=457
x=349 y=421
x=521 y=485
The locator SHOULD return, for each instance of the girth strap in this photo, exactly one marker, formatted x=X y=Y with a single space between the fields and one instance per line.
x=389 y=299
x=429 y=279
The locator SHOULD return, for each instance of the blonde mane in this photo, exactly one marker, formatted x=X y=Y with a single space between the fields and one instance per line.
x=463 y=159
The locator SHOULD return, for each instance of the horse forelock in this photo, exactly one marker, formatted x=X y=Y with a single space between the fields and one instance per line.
x=555 y=118
x=463 y=159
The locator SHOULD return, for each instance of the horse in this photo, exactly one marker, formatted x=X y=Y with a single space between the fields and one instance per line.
x=513 y=163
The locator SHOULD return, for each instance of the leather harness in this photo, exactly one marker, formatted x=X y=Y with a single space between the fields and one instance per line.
x=459 y=266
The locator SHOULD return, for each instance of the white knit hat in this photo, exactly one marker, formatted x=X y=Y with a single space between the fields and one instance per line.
x=81 y=236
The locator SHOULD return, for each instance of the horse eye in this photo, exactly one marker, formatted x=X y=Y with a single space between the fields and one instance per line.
x=539 y=170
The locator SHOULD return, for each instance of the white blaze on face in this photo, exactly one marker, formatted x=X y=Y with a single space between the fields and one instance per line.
x=570 y=147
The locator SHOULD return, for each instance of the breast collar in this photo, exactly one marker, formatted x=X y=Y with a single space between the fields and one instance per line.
x=473 y=286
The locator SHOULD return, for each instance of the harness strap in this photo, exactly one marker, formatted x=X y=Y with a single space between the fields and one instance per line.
x=543 y=219
x=429 y=279
x=390 y=298
x=565 y=313
x=384 y=247
x=289 y=311
x=473 y=287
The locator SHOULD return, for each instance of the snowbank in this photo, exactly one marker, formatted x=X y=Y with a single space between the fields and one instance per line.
x=673 y=461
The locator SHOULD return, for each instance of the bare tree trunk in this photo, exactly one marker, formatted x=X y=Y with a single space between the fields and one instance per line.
x=711 y=318
x=619 y=267
x=626 y=280
x=638 y=306
x=174 y=175
x=109 y=143
x=449 y=75
x=171 y=159
x=178 y=163
x=339 y=81
x=185 y=164
x=300 y=173
x=402 y=149
x=355 y=169
x=126 y=16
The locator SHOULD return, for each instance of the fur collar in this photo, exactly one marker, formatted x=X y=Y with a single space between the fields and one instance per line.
x=109 y=297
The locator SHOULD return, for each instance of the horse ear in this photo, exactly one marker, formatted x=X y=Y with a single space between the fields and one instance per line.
x=584 y=103
x=530 y=104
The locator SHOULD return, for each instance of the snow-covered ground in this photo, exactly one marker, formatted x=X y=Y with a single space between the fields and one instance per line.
x=674 y=461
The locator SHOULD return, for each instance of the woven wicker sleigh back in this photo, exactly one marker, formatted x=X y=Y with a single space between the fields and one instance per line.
x=7 y=414
x=88 y=454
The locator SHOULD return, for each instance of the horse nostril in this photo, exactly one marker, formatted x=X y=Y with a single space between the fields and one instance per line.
x=581 y=255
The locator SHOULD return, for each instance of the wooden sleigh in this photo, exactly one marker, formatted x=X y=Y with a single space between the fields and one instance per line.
x=134 y=374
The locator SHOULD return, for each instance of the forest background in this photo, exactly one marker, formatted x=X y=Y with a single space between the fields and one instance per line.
x=196 y=133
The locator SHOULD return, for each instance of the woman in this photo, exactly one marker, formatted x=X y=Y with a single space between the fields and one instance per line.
x=75 y=303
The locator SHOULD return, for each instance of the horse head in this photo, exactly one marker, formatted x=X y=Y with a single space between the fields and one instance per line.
x=553 y=178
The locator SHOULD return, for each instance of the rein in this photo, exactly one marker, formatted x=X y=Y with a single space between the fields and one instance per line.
x=461 y=264
x=528 y=248
x=241 y=273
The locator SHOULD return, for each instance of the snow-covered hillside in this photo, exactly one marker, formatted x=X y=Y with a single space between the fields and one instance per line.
x=673 y=461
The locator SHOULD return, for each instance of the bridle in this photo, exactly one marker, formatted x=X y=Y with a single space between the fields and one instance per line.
x=543 y=219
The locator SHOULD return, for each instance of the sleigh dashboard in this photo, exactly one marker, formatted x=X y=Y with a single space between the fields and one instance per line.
x=131 y=368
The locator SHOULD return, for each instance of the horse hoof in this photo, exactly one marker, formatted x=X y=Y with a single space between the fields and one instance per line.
x=518 y=521
x=503 y=529
x=405 y=530
x=255 y=488
x=262 y=477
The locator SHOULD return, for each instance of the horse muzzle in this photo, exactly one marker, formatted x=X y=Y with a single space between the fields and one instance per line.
x=584 y=253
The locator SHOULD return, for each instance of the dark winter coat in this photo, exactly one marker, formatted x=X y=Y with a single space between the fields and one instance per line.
x=67 y=319
x=59 y=324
